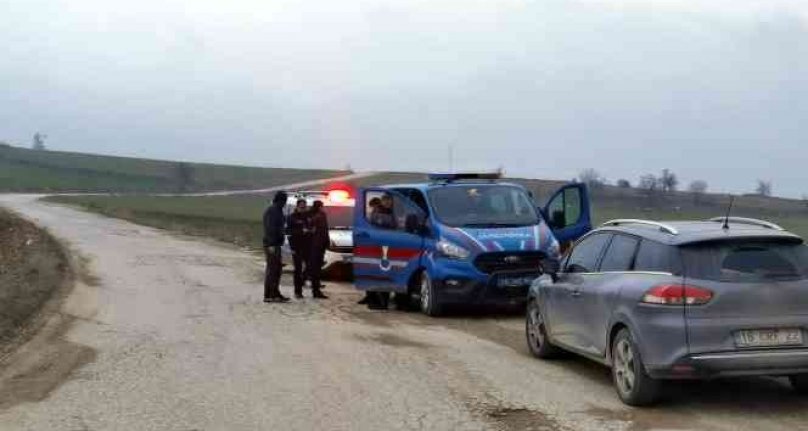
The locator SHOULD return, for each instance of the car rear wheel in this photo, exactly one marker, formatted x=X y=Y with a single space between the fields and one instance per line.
x=430 y=304
x=800 y=383
x=633 y=385
x=536 y=333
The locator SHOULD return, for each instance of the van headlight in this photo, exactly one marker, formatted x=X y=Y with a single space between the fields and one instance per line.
x=451 y=250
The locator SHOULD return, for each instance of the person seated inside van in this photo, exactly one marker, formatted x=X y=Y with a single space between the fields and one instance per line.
x=381 y=214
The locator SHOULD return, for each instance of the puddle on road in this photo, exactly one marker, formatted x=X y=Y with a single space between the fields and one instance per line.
x=508 y=419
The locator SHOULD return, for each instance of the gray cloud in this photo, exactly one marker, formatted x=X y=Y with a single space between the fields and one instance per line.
x=544 y=88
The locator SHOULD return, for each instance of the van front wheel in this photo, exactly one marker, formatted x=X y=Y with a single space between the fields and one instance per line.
x=430 y=304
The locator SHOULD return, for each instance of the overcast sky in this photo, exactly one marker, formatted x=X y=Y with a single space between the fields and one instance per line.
x=712 y=89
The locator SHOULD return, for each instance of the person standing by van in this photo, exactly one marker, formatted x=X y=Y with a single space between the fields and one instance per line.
x=320 y=239
x=274 y=229
x=299 y=243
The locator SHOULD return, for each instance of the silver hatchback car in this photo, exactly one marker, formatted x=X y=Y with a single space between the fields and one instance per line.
x=678 y=300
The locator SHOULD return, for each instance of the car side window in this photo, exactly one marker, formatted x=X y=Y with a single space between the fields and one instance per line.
x=585 y=255
x=656 y=257
x=620 y=254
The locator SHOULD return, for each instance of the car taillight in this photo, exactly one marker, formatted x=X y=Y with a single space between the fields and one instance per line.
x=677 y=294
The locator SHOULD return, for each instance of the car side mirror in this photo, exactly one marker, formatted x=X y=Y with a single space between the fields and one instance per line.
x=551 y=267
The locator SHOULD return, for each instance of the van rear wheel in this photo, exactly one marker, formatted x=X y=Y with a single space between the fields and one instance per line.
x=430 y=304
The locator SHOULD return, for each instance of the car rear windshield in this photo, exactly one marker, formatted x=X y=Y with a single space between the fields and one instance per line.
x=483 y=206
x=746 y=261
x=339 y=216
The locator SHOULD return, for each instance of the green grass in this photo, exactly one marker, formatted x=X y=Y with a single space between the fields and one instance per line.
x=23 y=170
x=237 y=219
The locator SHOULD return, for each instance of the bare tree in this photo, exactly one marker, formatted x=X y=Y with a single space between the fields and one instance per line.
x=39 y=141
x=764 y=188
x=697 y=188
x=591 y=178
x=623 y=183
x=668 y=181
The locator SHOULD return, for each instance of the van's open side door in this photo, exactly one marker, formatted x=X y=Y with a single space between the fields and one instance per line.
x=568 y=212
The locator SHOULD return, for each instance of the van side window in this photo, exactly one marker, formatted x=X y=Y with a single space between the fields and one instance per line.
x=416 y=197
x=585 y=255
x=620 y=254
x=656 y=257
x=392 y=211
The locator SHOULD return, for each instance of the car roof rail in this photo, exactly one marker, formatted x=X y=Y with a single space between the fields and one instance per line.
x=749 y=221
x=662 y=226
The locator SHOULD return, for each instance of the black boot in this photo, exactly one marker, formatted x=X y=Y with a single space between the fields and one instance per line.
x=364 y=300
x=317 y=293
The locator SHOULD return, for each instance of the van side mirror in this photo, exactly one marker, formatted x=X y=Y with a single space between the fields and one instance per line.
x=414 y=224
x=558 y=220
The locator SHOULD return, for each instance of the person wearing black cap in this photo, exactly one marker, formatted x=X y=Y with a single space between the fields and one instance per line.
x=320 y=240
x=274 y=236
x=299 y=242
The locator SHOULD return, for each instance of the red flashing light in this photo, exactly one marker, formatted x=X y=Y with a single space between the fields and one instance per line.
x=677 y=294
x=339 y=196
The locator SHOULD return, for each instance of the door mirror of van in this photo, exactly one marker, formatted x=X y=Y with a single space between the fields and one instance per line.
x=558 y=220
x=414 y=224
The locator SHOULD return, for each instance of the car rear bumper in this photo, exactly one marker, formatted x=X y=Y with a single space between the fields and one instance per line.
x=730 y=364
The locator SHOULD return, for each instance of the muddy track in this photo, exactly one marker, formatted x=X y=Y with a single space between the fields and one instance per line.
x=169 y=333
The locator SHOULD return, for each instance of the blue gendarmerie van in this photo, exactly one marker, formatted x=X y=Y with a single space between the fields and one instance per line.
x=461 y=238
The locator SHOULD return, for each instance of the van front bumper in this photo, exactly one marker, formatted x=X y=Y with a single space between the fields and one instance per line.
x=488 y=291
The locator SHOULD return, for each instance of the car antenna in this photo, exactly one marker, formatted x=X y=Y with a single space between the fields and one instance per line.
x=729 y=210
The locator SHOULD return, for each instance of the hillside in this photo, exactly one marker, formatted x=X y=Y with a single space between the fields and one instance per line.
x=24 y=170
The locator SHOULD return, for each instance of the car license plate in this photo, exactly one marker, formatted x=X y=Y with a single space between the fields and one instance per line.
x=515 y=281
x=768 y=337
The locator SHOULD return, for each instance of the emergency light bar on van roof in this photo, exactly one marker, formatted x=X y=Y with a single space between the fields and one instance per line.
x=448 y=178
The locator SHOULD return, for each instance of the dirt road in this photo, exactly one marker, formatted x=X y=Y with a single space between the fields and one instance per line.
x=171 y=334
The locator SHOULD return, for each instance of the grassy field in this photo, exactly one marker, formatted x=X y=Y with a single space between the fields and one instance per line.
x=23 y=170
x=33 y=265
x=237 y=219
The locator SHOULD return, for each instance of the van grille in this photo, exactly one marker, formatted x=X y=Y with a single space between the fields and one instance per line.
x=509 y=261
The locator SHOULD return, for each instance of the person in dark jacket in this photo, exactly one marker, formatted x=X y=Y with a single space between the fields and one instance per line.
x=274 y=236
x=299 y=242
x=320 y=240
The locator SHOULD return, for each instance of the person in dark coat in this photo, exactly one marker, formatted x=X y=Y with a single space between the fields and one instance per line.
x=299 y=242
x=274 y=236
x=320 y=240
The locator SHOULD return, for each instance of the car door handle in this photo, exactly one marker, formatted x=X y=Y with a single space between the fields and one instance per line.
x=575 y=293
x=362 y=235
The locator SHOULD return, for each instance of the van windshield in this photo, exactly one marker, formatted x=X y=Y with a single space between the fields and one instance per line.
x=483 y=206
